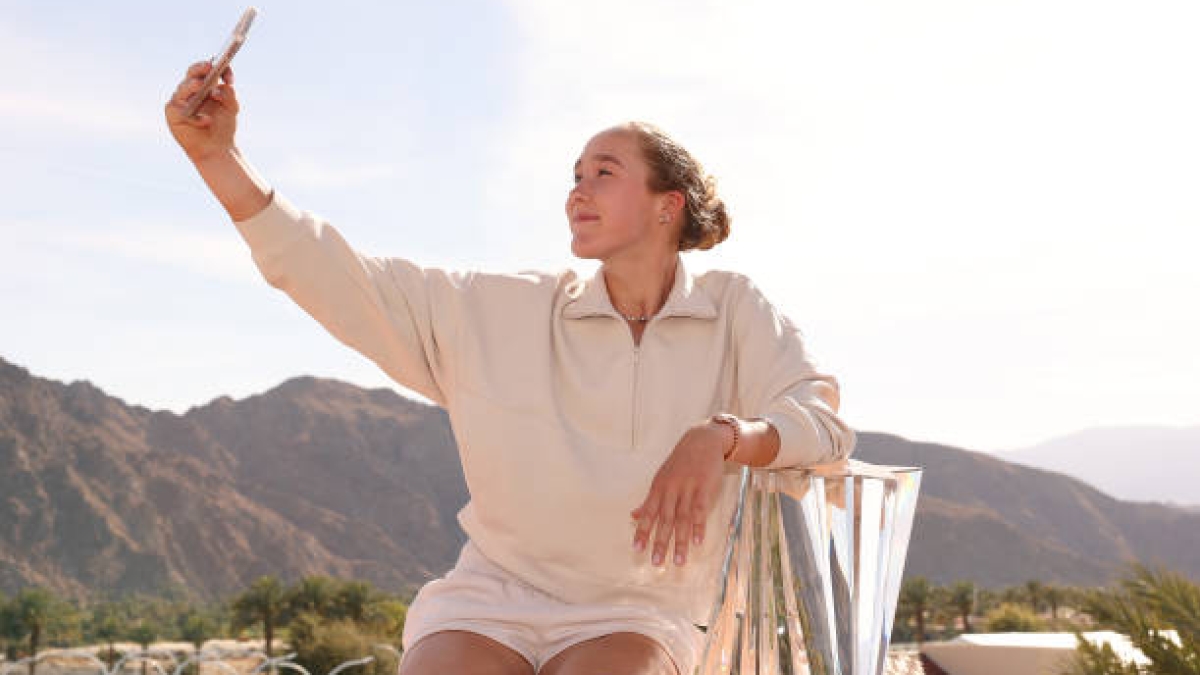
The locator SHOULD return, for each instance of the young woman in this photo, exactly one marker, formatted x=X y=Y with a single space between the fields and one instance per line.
x=601 y=421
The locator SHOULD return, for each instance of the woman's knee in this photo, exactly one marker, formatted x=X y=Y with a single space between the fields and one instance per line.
x=631 y=653
x=463 y=653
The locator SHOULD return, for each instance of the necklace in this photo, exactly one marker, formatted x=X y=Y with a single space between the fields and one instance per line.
x=635 y=318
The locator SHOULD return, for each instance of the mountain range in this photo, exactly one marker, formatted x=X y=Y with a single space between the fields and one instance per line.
x=1149 y=464
x=319 y=476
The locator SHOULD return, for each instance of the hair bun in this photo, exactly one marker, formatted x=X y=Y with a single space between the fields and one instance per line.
x=672 y=167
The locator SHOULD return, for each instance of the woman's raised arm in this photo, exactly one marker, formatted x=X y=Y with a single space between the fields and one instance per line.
x=394 y=312
x=207 y=138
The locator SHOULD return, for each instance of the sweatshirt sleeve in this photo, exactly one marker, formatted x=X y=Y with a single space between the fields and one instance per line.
x=776 y=378
x=396 y=313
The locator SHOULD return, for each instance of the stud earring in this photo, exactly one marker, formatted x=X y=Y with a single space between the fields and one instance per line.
x=663 y=218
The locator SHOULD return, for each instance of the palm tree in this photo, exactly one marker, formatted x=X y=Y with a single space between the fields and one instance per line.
x=962 y=601
x=1145 y=605
x=1035 y=591
x=916 y=597
x=107 y=624
x=1054 y=596
x=262 y=602
x=35 y=612
x=354 y=600
x=5 y=623
x=1009 y=595
x=144 y=633
x=197 y=626
x=315 y=594
x=7 y=629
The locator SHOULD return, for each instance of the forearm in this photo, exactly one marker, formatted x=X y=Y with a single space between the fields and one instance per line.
x=231 y=179
x=757 y=442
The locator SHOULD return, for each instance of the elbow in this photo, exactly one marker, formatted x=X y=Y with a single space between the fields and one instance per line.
x=828 y=392
x=843 y=441
x=270 y=269
x=810 y=435
x=277 y=280
x=840 y=438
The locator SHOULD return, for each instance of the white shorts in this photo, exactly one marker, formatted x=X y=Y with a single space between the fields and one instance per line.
x=481 y=597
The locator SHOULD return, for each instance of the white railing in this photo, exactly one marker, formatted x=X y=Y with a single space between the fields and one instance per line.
x=216 y=657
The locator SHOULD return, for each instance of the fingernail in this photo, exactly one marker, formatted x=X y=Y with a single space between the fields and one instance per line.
x=696 y=539
x=679 y=559
x=639 y=545
x=658 y=558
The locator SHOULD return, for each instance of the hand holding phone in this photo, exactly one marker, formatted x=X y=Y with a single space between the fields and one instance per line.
x=221 y=61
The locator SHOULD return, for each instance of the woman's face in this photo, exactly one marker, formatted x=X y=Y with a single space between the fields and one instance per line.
x=610 y=209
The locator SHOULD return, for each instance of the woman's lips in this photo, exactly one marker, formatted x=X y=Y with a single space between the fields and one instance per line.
x=584 y=220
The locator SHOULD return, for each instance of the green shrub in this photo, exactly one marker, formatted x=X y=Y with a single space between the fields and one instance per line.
x=1012 y=618
x=323 y=644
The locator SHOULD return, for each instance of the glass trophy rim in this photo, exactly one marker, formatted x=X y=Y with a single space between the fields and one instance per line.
x=877 y=471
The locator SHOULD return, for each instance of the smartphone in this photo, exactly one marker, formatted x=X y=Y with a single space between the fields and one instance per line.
x=221 y=61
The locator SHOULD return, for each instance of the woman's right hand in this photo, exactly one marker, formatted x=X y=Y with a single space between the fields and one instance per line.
x=207 y=138
x=211 y=130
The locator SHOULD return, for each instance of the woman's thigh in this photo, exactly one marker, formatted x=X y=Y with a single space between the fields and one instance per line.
x=462 y=653
x=625 y=653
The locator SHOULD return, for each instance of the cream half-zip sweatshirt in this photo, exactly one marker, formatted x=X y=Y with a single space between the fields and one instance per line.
x=561 y=420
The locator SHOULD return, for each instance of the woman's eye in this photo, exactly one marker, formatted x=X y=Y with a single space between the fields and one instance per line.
x=599 y=172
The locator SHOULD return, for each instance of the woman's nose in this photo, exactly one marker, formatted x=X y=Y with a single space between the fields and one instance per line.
x=572 y=198
x=578 y=192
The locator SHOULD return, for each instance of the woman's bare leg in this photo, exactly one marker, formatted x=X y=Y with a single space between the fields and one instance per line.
x=624 y=653
x=462 y=653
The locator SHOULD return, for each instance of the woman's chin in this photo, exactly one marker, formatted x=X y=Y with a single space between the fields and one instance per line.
x=580 y=249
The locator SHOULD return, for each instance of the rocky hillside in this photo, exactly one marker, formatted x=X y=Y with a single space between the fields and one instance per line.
x=313 y=476
x=318 y=476
x=983 y=519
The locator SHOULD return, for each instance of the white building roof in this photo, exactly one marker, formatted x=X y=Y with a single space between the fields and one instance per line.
x=1025 y=653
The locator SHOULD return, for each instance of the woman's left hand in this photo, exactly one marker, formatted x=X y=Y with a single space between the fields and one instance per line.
x=683 y=492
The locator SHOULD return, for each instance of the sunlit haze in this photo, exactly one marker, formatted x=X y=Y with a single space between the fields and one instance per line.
x=982 y=214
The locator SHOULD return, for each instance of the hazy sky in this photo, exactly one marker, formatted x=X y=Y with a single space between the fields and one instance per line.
x=982 y=213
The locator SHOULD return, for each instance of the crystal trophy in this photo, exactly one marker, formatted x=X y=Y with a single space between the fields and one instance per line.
x=812 y=571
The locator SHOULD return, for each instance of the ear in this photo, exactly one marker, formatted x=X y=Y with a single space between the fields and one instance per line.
x=672 y=202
